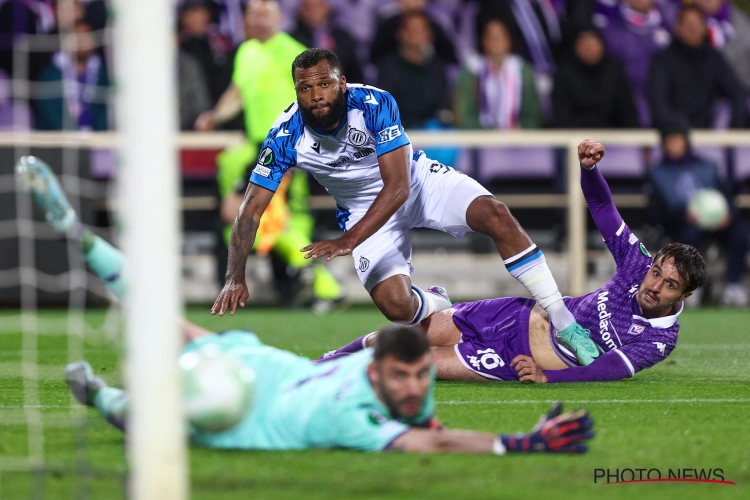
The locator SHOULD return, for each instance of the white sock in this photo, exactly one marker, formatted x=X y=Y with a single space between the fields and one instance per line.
x=429 y=304
x=530 y=268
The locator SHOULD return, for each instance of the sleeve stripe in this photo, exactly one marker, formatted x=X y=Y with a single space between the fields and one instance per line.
x=626 y=360
x=622 y=228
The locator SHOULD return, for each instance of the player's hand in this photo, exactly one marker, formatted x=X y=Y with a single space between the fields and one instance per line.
x=555 y=432
x=234 y=292
x=590 y=153
x=206 y=121
x=332 y=248
x=527 y=370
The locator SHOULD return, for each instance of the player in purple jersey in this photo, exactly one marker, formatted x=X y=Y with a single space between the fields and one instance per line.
x=632 y=319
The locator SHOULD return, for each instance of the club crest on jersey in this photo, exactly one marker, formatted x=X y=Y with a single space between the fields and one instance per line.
x=266 y=157
x=357 y=137
x=636 y=329
x=364 y=264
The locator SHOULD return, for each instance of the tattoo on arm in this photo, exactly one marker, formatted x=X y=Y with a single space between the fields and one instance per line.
x=243 y=236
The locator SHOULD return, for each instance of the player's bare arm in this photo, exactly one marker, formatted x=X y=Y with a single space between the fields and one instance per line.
x=243 y=236
x=555 y=432
x=394 y=169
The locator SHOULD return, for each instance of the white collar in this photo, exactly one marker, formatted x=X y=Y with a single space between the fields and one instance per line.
x=665 y=321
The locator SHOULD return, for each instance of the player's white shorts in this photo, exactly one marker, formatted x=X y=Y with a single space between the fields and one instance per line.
x=438 y=200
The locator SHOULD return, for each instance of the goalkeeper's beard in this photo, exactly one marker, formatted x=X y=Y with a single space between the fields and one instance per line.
x=329 y=120
x=394 y=406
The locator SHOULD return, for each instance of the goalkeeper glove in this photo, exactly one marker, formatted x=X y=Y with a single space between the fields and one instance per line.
x=555 y=432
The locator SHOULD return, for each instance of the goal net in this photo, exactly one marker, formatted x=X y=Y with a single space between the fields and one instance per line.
x=123 y=184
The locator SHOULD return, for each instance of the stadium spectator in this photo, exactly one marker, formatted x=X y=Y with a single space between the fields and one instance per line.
x=415 y=74
x=737 y=50
x=591 y=90
x=717 y=13
x=73 y=87
x=499 y=91
x=689 y=76
x=314 y=29
x=387 y=40
x=200 y=38
x=633 y=31
x=535 y=30
x=18 y=18
x=673 y=183
x=194 y=97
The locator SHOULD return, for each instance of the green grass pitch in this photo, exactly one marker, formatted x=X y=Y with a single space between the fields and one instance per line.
x=692 y=411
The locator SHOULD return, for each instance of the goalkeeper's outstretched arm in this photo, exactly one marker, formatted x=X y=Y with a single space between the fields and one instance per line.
x=243 y=236
x=555 y=432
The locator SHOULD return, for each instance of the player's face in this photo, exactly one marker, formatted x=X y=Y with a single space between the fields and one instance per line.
x=321 y=95
x=660 y=289
x=402 y=386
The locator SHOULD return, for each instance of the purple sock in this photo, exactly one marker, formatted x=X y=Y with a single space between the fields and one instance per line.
x=350 y=348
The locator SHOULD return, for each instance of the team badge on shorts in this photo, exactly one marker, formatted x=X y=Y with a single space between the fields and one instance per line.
x=357 y=137
x=364 y=264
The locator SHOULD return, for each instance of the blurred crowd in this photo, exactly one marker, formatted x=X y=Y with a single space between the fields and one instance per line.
x=493 y=64
x=673 y=65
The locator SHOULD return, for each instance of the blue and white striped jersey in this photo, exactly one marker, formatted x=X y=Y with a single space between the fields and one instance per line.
x=344 y=161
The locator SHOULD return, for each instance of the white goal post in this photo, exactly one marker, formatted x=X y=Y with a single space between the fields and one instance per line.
x=144 y=50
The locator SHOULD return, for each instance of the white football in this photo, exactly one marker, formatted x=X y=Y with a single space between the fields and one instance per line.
x=709 y=207
x=218 y=388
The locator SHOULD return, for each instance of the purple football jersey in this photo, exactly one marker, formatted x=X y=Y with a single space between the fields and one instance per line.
x=612 y=315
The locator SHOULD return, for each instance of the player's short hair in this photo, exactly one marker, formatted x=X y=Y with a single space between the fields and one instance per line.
x=405 y=343
x=690 y=264
x=311 y=57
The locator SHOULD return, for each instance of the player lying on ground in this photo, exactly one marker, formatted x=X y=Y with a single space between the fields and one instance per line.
x=632 y=319
x=377 y=399
x=350 y=137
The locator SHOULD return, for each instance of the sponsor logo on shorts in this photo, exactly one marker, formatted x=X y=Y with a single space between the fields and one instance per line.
x=266 y=157
x=636 y=329
x=364 y=264
x=357 y=137
x=262 y=171
x=388 y=134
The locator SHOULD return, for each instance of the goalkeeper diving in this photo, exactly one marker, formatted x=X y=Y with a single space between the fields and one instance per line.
x=378 y=399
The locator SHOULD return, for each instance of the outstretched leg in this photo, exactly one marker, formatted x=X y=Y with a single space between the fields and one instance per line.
x=526 y=262
x=103 y=259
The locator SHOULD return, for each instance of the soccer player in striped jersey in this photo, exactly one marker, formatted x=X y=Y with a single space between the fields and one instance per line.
x=376 y=400
x=350 y=138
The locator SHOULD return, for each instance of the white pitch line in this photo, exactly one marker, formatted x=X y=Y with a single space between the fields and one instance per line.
x=594 y=401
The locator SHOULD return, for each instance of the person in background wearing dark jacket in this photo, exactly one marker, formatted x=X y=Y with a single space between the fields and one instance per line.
x=314 y=30
x=674 y=182
x=688 y=76
x=591 y=90
x=415 y=74
x=386 y=40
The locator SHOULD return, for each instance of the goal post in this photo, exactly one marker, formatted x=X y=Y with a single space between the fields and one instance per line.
x=149 y=203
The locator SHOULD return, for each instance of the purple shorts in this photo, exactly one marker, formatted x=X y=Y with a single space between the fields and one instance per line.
x=493 y=332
